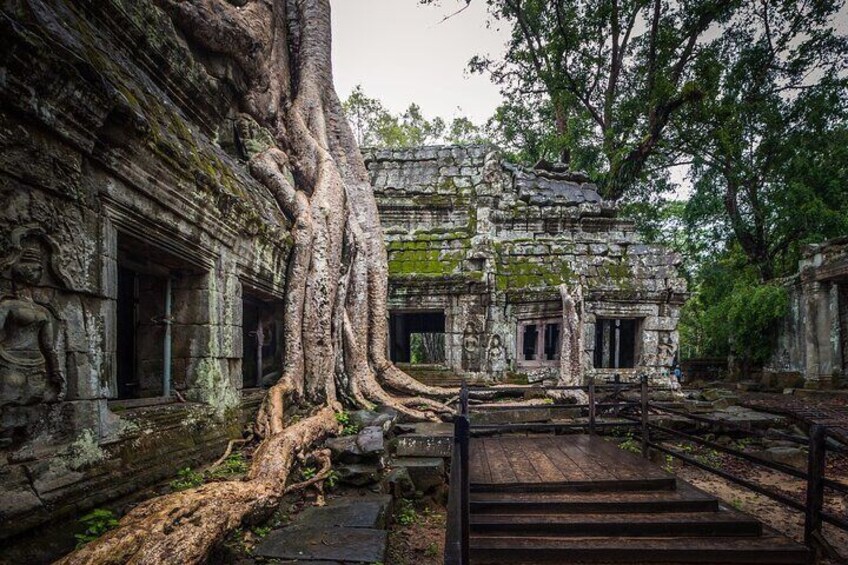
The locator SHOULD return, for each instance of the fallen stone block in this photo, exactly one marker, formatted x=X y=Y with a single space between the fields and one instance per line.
x=426 y=473
x=367 y=444
x=414 y=445
x=348 y=545
x=358 y=474
x=370 y=511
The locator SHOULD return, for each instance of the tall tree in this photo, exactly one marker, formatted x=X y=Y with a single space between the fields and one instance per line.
x=770 y=143
x=335 y=303
x=613 y=73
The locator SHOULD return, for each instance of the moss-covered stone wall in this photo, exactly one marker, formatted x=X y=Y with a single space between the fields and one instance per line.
x=488 y=243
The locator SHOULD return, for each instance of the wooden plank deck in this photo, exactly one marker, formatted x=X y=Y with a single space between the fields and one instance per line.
x=581 y=499
x=557 y=461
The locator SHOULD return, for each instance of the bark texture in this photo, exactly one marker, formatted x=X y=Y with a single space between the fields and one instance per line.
x=335 y=325
x=571 y=346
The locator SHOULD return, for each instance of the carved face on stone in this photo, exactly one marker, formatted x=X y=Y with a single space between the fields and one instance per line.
x=29 y=268
x=496 y=341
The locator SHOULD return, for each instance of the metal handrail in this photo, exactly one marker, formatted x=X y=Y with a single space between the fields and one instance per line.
x=814 y=475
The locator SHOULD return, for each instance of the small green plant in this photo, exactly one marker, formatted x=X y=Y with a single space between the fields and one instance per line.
x=97 y=522
x=186 y=479
x=669 y=463
x=406 y=514
x=348 y=428
x=432 y=550
x=235 y=464
x=736 y=502
x=332 y=478
x=261 y=531
x=631 y=444
x=308 y=472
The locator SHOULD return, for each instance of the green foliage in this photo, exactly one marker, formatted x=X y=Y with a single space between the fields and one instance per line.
x=600 y=83
x=186 y=479
x=731 y=312
x=374 y=126
x=631 y=444
x=405 y=514
x=262 y=531
x=308 y=472
x=235 y=464
x=332 y=478
x=348 y=428
x=96 y=523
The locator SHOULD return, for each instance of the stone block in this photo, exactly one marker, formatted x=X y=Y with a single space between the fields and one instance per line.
x=367 y=444
x=370 y=511
x=347 y=545
x=358 y=474
x=426 y=473
x=416 y=445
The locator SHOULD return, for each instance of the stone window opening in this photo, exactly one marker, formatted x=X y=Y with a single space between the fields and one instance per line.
x=417 y=338
x=539 y=342
x=262 y=335
x=616 y=343
x=144 y=317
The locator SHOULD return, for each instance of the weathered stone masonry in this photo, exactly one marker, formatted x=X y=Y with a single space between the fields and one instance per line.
x=486 y=244
x=813 y=338
x=115 y=188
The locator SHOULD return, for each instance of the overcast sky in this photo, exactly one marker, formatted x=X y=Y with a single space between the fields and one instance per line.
x=400 y=53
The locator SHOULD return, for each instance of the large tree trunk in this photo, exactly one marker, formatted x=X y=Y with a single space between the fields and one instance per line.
x=335 y=304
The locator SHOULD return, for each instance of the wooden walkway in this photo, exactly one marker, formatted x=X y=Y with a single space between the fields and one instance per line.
x=581 y=499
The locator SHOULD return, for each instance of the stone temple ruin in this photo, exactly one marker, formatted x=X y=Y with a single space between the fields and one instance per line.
x=478 y=248
x=142 y=269
x=813 y=339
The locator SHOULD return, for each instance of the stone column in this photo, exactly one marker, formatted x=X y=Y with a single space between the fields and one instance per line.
x=818 y=332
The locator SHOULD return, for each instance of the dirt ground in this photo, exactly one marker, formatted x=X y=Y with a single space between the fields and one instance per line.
x=417 y=535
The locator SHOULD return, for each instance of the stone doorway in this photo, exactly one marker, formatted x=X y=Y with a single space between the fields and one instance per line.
x=417 y=337
x=262 y=358
x=616 y=342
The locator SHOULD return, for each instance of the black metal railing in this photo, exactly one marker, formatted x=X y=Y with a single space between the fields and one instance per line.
x=814 y=475
x=459 y=493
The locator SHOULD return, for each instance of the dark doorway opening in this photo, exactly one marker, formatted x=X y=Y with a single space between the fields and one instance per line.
x=615 y=343
x=417 y=337
x=147 y=278
x=261 y=341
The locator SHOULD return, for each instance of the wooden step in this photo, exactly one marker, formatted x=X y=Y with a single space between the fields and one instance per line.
x=684 y=499
x=622 y=485
x=726 y=522
x=771 y=548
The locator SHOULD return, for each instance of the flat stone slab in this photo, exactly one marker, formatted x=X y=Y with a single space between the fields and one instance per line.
x=428 y=439
x=348 y=545
x=414 y=445
x=348 y=512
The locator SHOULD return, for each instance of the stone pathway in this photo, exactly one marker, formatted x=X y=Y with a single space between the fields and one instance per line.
x=349 y=529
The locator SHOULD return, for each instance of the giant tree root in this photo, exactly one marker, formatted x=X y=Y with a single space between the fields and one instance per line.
x=183 y=527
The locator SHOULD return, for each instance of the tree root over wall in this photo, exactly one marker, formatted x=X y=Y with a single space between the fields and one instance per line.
x=335 y=323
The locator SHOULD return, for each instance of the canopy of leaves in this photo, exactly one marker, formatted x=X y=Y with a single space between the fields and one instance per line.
x=732 y=312
x=599 y=81
x=374 y=126
x=769 y=146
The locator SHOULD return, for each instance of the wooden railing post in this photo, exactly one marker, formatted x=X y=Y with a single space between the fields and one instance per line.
x=463 y=430
x=615 y=394
x=815 y=485
x=645 y=429
x=591 y=405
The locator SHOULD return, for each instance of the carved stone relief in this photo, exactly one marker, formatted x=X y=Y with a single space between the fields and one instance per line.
x=31 y=359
